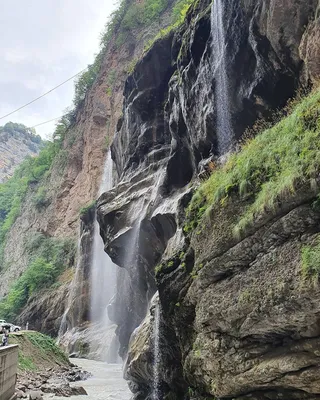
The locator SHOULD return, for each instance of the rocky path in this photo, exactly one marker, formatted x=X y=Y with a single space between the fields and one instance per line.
x=106 y=383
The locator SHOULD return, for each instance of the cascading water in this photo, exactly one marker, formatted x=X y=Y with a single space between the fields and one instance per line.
x=156 y=354
x=134 y=260
x=69 y=320
x=223 y=125
x=103 y=272
x=93 y=263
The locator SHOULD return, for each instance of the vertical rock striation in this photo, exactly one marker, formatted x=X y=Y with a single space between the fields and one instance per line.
x=168 y=129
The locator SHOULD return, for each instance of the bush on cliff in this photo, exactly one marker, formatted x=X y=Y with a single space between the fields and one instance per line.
x=12 y=192
x=269 y=168
x=48 y=258
x=127 y=18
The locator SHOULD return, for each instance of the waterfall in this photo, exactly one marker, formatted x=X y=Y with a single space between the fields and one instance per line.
x=156 y=354
x=103 y=272
x=72 y=319
x=223 y=124
x=95 y=264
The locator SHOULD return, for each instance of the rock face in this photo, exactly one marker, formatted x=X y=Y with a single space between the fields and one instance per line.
x=76 y=176
x=16 y=143
x=219 y=327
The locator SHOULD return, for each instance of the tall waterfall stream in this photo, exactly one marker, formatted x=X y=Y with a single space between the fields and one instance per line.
x=223 y=124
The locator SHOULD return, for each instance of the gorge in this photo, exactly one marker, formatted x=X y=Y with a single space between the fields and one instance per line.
x=195 y=157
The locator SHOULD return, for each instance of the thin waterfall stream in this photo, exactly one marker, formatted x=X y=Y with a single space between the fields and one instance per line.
x=156 y=353
x=222 y=101
x=103 y=272
x=100 y=334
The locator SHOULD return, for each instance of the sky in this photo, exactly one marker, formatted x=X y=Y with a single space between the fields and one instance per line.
x=43 y=43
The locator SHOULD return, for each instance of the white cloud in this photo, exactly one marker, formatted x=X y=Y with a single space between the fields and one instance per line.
x=45 y=43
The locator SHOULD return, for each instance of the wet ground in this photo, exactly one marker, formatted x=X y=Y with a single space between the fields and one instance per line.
x=107 y=382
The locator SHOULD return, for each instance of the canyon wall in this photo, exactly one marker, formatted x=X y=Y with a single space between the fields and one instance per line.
x=237 y=329
x=75 y=176
x=16 y=143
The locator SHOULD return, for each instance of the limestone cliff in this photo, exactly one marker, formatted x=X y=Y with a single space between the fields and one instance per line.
x=75 y=175
x=16 y=143
x=238 y=328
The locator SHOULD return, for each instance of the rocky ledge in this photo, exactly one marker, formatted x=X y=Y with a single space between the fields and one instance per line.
x=33 y=385
x=168 y=128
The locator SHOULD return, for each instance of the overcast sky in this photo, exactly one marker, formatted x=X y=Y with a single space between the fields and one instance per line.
x=42 y=43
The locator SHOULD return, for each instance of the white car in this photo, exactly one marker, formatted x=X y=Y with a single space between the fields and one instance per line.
x=9 y=327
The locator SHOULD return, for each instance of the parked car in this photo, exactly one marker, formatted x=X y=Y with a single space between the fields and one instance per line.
x=8 y=326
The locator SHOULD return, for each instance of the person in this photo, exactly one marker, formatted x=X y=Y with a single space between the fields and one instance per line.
x=5 y=338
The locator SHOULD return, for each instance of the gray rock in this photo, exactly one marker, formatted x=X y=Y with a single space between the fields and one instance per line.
x=35 y=395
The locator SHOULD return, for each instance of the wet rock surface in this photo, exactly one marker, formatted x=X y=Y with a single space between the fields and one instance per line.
x=169 y=126
x=238 y=328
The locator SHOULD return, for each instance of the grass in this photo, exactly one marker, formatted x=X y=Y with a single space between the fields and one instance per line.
x=25 y=363
x=84 y=210
x=178 y=16
x=268 y=169
x=310 y=257
x=37 y=351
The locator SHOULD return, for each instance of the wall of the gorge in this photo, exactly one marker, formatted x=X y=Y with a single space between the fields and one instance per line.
x=74 y=178
x=212 y=344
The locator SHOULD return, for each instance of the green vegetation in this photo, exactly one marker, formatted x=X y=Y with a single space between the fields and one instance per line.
x=18 y=130
x=129 y=17
x=41 y=199
x=12 y=192
x=25 y=363
x=268 y=169
x=179 y=13
x=47 y=346
x=310 y=256
x=37 y=351
x=84 y=210
x=48 y=258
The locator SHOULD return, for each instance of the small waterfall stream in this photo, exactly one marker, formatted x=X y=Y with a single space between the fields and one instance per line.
x=93 y=266
x=103 y=271
x=70 y=320
x=223 y=125
x=156 y=353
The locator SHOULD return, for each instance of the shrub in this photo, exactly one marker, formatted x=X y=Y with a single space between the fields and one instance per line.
x=310 y=256
x=12 y=192
x=268 y=168
x=48 y=258
x=84 y=210
x=41 y=199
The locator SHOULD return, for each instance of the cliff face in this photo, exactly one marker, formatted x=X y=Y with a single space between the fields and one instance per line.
x=239 y=328
x=75 y=176
x=16 y=143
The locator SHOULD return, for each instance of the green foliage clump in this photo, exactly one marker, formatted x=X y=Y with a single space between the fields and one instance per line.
x=310 y=256
x=41 y=199
x=12 y=192
x=180 y=10
x=47 y=346
x=25 y=363
x=17 y=130
x=37 y=351
x=269 y=168
x=48 y=258
x=64 y=124
x=178 y=16
x=86 y=80
x=84 y=210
